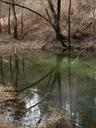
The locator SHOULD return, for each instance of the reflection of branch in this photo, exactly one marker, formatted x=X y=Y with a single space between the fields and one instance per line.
x=49 y=80
x=39 y=101
x=32 y=85
x=59 y=89
x=23 y=69
x=11 y=69
x=4 y=67
x=1 y=67
x=17 y=70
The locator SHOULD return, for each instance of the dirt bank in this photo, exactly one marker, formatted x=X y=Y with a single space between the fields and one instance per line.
x=9 y=45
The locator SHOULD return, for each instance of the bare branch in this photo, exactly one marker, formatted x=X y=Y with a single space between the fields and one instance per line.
x=52 y=8
x=29 y=9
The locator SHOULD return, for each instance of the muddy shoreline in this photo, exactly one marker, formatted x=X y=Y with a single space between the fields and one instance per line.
x=8 y=46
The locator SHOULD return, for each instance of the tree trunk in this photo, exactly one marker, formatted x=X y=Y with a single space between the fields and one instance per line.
x=56 y=17
x=15 y=21
x=22 y=22
x=9 y=12
x=56 y=20
x=58 y=29
x=0 y=17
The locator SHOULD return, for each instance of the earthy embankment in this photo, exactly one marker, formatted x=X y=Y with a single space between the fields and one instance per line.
x=8 y=45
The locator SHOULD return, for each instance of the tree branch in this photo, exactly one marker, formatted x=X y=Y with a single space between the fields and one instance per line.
x=51 y=6
x=29 y=9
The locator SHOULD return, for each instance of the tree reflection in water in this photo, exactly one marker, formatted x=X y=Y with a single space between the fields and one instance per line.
x=29 y=101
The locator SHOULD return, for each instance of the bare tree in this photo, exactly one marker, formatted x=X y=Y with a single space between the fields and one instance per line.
x=55 y=19
x=9 y=16
x=15 y=20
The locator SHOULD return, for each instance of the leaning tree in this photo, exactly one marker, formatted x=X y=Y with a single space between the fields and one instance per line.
x=54 y=7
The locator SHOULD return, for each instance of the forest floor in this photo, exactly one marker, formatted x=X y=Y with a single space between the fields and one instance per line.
x=39 y=36
x=9 y=45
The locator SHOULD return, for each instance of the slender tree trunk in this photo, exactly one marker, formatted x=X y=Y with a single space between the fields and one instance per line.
x=22 y=22
x=69 y=25
x=57 y=22
x=9 y=26
x=56 y=13
x=94 y=19
x=0 y=17
x=56 y=17
x=15 y=21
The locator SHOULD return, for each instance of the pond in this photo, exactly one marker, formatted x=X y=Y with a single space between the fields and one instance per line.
x=33 y=86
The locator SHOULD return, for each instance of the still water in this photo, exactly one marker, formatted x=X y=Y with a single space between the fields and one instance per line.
x=34 y=86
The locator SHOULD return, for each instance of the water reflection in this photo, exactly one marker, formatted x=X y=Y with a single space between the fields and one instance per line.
x=1 y=69
x=33 y=85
